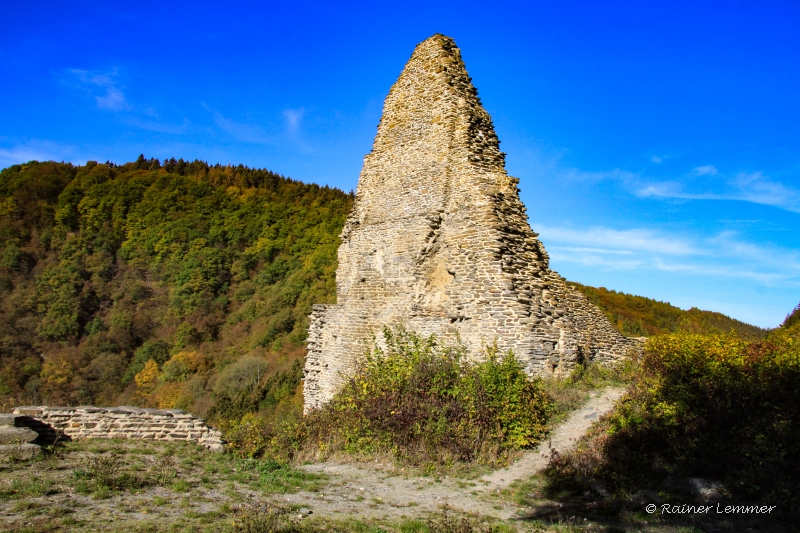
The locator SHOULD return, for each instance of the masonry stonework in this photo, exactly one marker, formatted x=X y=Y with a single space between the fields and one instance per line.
x=79 y=423
x=439 y=241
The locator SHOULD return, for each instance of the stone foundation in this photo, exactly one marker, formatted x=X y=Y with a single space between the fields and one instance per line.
x=78 y=423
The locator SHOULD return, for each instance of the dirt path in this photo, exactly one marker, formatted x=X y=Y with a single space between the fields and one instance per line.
x=375 y=491
x=562 y=438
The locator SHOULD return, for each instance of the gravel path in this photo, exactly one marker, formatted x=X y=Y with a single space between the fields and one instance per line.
x=376 y=491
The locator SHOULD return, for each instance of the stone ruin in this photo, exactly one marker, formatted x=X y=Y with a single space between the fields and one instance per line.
x=23 y=431
x=439 y=241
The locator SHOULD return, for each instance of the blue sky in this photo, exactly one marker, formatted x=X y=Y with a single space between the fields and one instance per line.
x=657 y=147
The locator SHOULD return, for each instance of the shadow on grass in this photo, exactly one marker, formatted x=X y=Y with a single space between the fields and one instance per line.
x=645 y=511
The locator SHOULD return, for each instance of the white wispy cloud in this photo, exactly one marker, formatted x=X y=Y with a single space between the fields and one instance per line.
x=293 y=124
x=768 y=255
x=106 y=89
x=112 y=99
x=17 y=155
x=660 y=158
x=595 y=250
x=755 y=187
x=618 y=241
x=722 y=255
x=706 y=182
x=730 y=271
x=662 y=189
x=248 y=133
x=593 y=259
x=706 y=170
x=291 y=134
x=293 y=119
x=16 y=152
x=616 y=174
x=751 y=187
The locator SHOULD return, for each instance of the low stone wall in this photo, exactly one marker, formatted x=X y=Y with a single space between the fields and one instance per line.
x=78 y=423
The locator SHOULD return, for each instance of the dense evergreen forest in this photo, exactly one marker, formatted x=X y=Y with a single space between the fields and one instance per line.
x=180 y=284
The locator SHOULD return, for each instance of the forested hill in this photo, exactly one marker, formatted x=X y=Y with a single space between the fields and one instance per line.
x=792 y=322
x=172 y=285
x=185 y=285
x=637 y=316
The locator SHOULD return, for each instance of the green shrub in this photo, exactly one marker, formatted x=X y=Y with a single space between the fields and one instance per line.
x=263 y=518
x=245 y=388
x=104 y=473
x=422 y=401
x=241 y=377
x=158 y=351
x=708 y=406
x=569 y=393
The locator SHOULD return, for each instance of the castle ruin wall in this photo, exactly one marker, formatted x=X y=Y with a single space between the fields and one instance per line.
x=439 y=241
x=86 y=422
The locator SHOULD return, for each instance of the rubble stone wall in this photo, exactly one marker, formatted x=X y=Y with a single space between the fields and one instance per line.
x=78 y=423
x=439 y=241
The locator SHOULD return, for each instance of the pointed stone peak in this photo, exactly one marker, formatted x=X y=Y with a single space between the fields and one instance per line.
x=436 y=148
x=441 y=49
x=438 y=240
x=434 y=104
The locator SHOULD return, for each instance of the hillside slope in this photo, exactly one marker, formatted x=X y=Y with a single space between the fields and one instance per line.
x=180 y=285
x=637 y=316
x=792 y=322
x=186 y=285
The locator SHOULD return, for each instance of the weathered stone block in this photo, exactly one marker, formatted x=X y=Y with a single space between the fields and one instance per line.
x=28 y=411
x=17 y=435
x=19 y=452
x=8 y=420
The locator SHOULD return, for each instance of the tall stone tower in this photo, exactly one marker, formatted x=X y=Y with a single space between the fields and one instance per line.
x=438 y=240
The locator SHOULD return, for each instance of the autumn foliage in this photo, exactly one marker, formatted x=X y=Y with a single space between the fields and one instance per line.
x=637 y=316
x=715 y=407
x=181 y=284
x=153 y=283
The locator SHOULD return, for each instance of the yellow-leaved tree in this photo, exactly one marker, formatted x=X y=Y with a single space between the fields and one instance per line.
x=147 y=379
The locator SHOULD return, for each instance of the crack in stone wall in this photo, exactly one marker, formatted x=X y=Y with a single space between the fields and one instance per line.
x=439 y=240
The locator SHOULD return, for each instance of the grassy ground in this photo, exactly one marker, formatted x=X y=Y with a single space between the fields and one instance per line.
x=132 y=486
x=109 y=485
x=144 y=486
